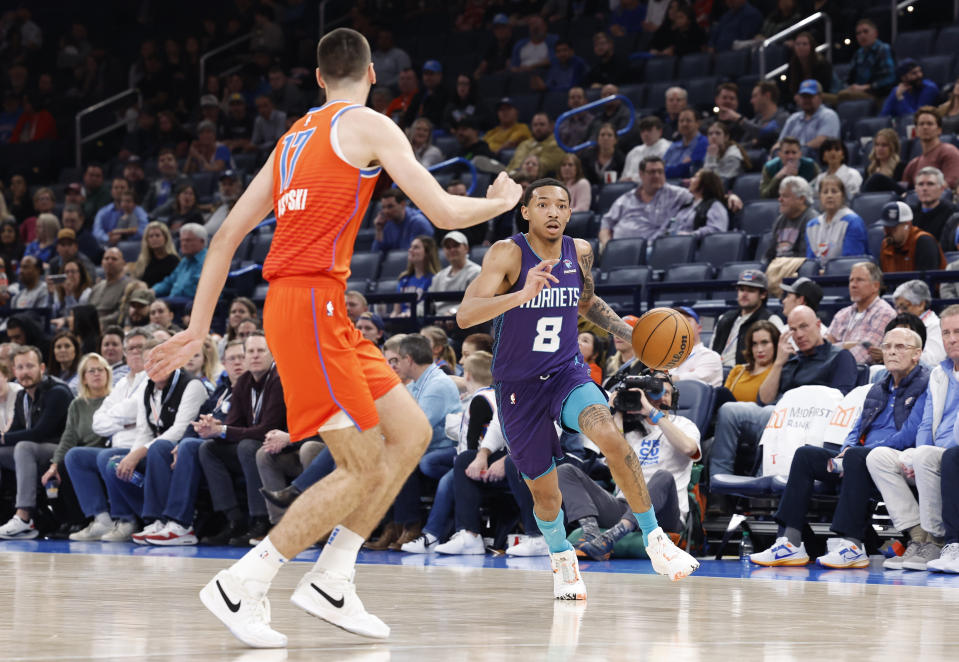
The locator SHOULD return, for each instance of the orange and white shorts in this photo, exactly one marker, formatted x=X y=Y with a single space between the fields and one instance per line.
x=331 y=374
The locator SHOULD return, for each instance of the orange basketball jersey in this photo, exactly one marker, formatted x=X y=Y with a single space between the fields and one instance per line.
x=319 y=199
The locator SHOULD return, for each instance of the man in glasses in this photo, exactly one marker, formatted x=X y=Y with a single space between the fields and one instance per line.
x=891 y=415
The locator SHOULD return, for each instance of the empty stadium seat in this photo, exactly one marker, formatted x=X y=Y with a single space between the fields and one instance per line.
x=758 y=216
x=947 y=39
x=477 y=253
x=670 y=250
x=746 y=186
x=850 y=111
x=628 y=252
x=809 y=269
x=731 y=64
x=841 y=266
x=867 y=127
x=582 y=224
x=130 y=249
x=765 y=241
x=696 y=402
x=609 y=193
x=914 y=44
x=702 y=91
x=365 y=266
x=937 y=68
x=876 y=233
x=721 y=247
x=625 y=303
x=660 y=68
x=869 y=205
x=449 y=145
x=386 y=286
x=684 y=273
x=394 y=262
x=261 y=246
x=694 y=65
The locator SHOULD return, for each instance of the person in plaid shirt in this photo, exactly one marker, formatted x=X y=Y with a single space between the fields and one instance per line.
x=859 y=327
x=873 y=71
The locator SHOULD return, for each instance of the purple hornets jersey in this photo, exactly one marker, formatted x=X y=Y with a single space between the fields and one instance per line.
x=541 y=336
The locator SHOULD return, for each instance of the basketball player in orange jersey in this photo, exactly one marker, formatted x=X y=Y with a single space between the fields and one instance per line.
x=535 y=286
x=319 y=180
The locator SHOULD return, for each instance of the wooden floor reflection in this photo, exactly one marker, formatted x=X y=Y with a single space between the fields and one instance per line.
x=86 y=607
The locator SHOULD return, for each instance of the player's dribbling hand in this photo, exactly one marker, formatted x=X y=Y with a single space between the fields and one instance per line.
x=537 y=278
x=505 y=189
x=172 y=354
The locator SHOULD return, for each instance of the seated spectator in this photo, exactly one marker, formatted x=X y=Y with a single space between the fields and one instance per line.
x=180 y=210
x=912 y=91
x=687 y=154
x=35 y=122
x=11 y=248
x=566 y=69
x=8 y=388
x=397 y=224
x=74 y=290
x=949 y=109
x=645 y=211
x=739 y=425
x=651 y=133
x=111 y=349
x=813 y=123
x=613 y=112
x=465 y=102
x=498 y=53
x=668 y=443
x=32 y=290
x=158 y=257
x=935 y=153
x=467 y=135
x=571 y=174
x=280 y=460
x=421 y=138
x=729 y=334
x=932 y=213
x=896 y=470
x=676 y=102
x=914 y=297
x=591 y=347
x=44 y=202
x=707 y=213
x=93 y=388
x=421 y=265
x=535 y=51
x=284 y=92
x=859 y=326
x=430 y=100
x=45 y=244
x=885 y=168
x=763 y=129
x=388 y=59
x=838 y=230
x=873 y=70
x=460 y=272
x=905 y=247
x=542 y=144
x=182 y=281
x=807 y=64
x=24 y=330
x=237 y=126
x=107 y=220
x=890 y=418
x=136 y=177
x=609 y=68
x=64 y=359
x=575 y=129
x=372 y=327
x=834 y=155
x=724 y=156
x=510 y=132
x=443 y=355
x=230 y=188
x=702 y=364
x=789 y=163
x=680 y=35
x=69 y=249
x=87 y=244
x=39 y=420
x=269 y=125
x=759 y=353
x=795 y=212
x=740 y=22
x=948 y=560
x=356 y=305
x=85 y=323
x=603 y=163
x=206 y=153
x=205 y=365
x=95 y=193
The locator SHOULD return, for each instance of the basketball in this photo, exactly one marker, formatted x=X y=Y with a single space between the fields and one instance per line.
x=662 y=339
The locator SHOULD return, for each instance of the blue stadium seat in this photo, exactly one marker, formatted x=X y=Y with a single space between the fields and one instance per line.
x=809 y=269
x=850 y=111
x=629 y=252
x=867 y=127
x=556 y=103
x=477 y=253
x=758 y=216
x=721 y=247
x=656 y=93
x=624 y=303
x=946 y=40
x=694 y=65
x=869 y=205
x=393 y=263
x=937 y=68
x=670 y=250
x=876 y=233
x=130 y=250
x=493 y=85
x=702 y=91
x=526 y=104
x=696 y=402
x=635 y=93
x=685 y=273
x=447 y=144
x=746 y=186
x=841 y=266
x=765 y=241
x=609 y=193
x=385 y=286
x=365 y=266
x=731 y=64
x=204 y=184
x=660 y=68
x=731 y=270
x=582 y=224
x=364 y=239
x=261 y=246
x=914 y=44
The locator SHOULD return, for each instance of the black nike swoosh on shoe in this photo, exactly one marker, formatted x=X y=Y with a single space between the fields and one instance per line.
x=234 y=606
x=336 y=603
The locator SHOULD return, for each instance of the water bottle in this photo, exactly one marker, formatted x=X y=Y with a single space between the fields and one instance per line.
x=745 y=547
x=135 y=479
x=53 y=488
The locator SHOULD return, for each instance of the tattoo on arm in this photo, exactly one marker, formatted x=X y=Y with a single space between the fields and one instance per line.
x=595 y=309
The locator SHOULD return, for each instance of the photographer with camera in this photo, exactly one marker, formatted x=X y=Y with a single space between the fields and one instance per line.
x=666 y=446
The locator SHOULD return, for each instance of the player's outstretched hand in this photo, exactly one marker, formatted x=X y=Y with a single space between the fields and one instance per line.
x=537 y=278
x=172 y=354
x=505 y=189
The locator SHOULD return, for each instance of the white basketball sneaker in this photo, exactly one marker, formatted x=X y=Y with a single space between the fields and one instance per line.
x=333 y=598
x=667 y=558
x=245 y=613
x=567 y=583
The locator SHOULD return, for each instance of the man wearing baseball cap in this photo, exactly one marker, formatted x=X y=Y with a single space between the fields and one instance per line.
x=430 y=100
x=702 y=364
x=729 y=336
x=801 y=292
x=906 y=247
x=67 y=248
x=460 y=272
x=510 y=132
x=813 y=122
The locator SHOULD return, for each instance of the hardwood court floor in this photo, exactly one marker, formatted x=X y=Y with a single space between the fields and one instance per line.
x=115 y=607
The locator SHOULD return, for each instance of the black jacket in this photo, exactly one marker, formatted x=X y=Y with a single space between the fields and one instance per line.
x=48 y=414
x=725 y=323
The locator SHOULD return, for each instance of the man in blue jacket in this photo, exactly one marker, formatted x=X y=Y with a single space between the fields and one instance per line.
x=890 y=417
x=912 y=92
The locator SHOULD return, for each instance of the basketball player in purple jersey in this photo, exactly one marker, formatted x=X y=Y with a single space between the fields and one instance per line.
x=534 y=287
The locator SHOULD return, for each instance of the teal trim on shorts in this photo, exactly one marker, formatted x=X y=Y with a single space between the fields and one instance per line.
x=581 y=397
x=552 y=467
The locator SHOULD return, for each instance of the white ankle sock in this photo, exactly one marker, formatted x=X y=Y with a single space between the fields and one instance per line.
x=259 y=565
x=339 y=552
x=103 y=518
x=430 y=538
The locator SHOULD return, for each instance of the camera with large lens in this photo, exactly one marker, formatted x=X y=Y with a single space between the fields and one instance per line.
x=629 y=401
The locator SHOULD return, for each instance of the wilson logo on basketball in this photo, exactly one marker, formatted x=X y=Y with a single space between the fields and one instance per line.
x=680 y=354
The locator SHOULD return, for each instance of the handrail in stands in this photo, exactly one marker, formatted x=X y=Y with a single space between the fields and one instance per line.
x=81 y=139
x=781 y=69
x=779 y=36
x=907 y=5
x=216 y=51
x=587 y=107
x=454 y=161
